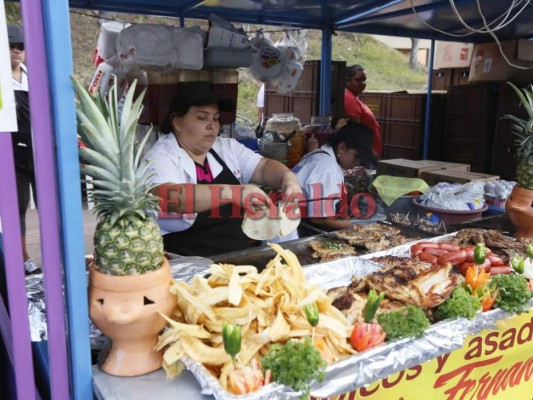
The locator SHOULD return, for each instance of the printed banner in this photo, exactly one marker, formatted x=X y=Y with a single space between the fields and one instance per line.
x=8 y=115
x=493 y=365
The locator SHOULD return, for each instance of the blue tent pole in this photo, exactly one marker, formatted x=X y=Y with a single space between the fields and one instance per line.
x=325 y=73
x=58 y=42
x=428 y=101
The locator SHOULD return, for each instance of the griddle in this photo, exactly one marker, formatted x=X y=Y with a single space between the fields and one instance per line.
x=260 y=256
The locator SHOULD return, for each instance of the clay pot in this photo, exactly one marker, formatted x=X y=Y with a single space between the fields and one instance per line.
x=519 y=208
x=126 y=310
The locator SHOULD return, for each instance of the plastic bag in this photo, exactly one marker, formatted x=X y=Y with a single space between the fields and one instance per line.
x=160 y=47
x=268 y=62
x=223 y=34
x=454 y=196
x=390 y=188
x=103 y=79
x=106 y=45
x=294 y=46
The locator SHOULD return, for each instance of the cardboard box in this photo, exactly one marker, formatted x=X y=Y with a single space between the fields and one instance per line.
x=452 y=55
x=413 y=169
x=455 y=176
x=488 y=63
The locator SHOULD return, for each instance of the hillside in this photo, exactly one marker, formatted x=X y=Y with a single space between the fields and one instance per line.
x=387 y=69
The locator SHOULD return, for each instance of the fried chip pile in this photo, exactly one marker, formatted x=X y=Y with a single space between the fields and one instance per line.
x=267 y=305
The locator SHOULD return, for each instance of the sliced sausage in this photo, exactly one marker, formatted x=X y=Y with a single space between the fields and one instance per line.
x=495 y=261
x=449 y=246
x=463 y=267
x=435 y=251
x=418 y=247
x=486 y=265
x=501 y=270
x=454 y=257
x=423 y=256
x=469 y=250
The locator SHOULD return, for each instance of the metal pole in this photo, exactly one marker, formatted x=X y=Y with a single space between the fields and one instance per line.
x=59 y=49
x=428 y=102
x=43 y=153
x=325 y=73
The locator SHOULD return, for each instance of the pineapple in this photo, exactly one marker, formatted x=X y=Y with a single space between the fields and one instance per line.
x=523 y=129
x=127 y=240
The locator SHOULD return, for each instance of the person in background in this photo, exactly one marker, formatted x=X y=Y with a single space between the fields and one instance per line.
x=320 y=174
x=260 y=104
x=22 y=141
x=211 y=177
x=356 y=109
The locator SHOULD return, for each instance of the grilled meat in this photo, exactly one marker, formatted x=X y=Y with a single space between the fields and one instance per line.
x=500 y=245
x=357 y=285
x=328 y=250
x=413 y=282
x=352 y=305
x=374 y=237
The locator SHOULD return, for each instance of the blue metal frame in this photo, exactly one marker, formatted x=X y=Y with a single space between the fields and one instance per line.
x=68 y=175
x=428 y=103
x=365 y=17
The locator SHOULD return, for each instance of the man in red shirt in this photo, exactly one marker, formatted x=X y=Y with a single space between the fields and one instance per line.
x=356 y=109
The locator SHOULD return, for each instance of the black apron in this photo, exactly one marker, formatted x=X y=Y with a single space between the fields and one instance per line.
x=22 y=143
x=208 y=235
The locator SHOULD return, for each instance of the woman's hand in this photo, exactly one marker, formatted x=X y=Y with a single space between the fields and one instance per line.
x=292 y=191
x=254 y=199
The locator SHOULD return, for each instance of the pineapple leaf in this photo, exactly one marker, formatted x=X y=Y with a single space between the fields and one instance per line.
x=94 y=158
x=93 y=114
x=127 y=239
x=102 y=184
x=138 y=153
x=525 y=98
x=90 y=136
x=99 y=173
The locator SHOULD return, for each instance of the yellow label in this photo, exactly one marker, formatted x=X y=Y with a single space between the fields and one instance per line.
x=493 y=365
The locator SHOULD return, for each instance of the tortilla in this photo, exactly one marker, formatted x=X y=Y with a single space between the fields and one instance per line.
x=263 y=228
x=289 y=223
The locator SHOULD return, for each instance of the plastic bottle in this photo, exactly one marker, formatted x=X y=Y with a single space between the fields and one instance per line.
x=312 y=143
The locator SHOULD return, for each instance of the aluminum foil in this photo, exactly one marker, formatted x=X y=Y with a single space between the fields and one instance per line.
x=366 y=367
x=182 y=268
x=36 y=307
x=347 y=375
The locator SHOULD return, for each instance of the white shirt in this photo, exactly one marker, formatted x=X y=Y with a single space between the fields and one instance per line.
x=23 y=84
x=171 y=164
x=261 y=96
x=320 y=176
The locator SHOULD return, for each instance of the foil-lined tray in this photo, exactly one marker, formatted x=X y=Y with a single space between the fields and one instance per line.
x=344 y=376
x=369 y=366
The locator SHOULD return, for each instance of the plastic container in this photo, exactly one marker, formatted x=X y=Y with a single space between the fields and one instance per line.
x=403 y=205
x=286 y=124
x=276 y=151
x=450 y=216
x=283 y=123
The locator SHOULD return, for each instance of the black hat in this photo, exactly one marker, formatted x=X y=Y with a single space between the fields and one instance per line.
x=14 y=34
x=356 y=136
x=198 y=94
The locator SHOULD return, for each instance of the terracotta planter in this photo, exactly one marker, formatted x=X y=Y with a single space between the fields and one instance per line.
x=519 y=208
x=125 y=309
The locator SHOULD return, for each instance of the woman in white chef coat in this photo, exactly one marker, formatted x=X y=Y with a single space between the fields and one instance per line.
x=205 y=181
x=320 y=174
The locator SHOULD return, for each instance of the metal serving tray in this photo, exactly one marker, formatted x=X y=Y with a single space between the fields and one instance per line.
x=369 y=366
x=260 y=256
